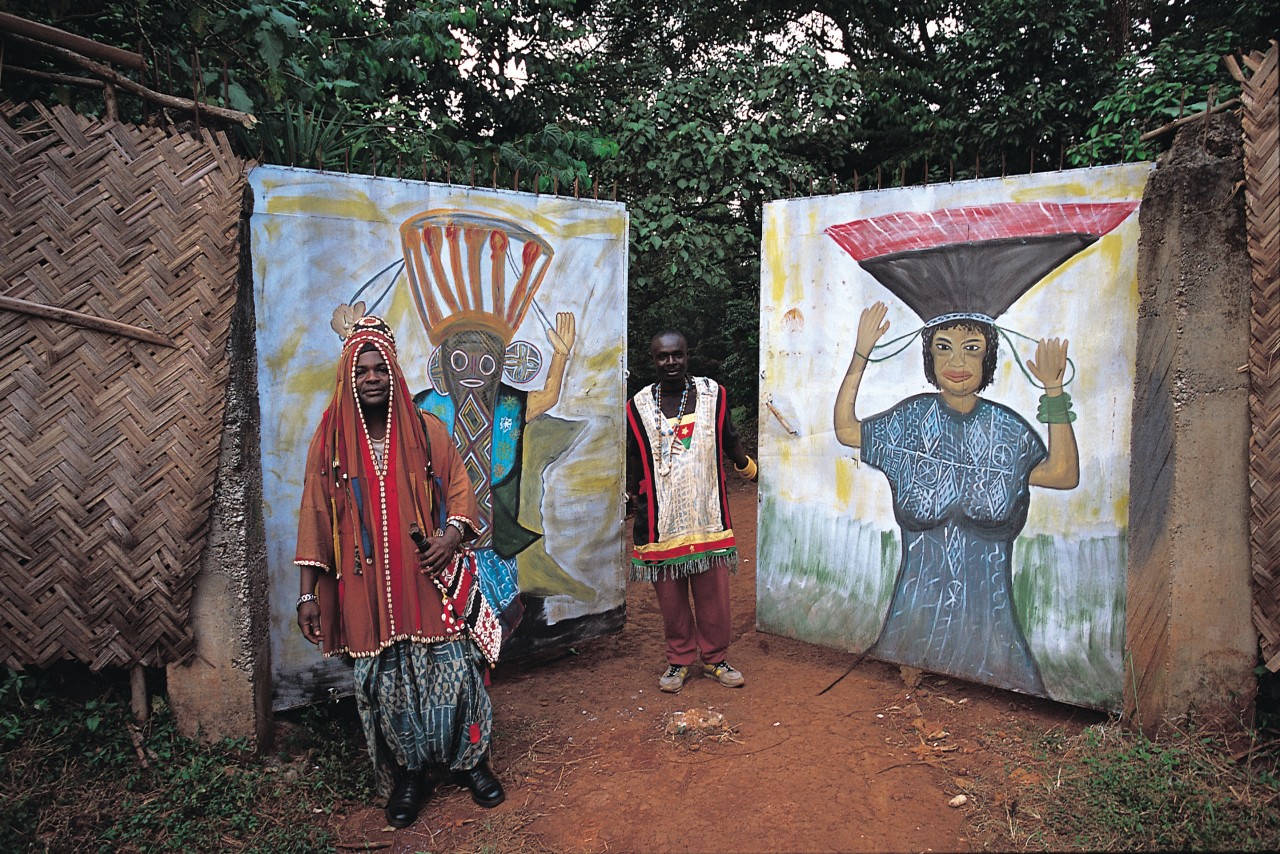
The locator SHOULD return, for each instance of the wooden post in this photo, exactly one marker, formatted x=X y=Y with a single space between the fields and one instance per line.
x=109 y=99
x=140 y=701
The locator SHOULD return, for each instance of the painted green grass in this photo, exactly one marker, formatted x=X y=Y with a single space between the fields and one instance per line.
x=1071 y=603
x=827 y=579
x=822 y=578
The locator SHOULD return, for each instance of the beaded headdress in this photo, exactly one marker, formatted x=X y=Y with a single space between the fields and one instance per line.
x=356 y=328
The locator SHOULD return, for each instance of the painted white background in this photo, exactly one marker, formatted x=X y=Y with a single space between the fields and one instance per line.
x=316 y=238
x=812 y=293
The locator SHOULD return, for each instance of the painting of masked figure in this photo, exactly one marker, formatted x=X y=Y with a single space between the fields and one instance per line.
x=509 y=312
x=457 y=263
x=955 y=499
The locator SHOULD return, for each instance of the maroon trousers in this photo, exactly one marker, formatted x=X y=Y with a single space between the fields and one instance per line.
x=704 y=627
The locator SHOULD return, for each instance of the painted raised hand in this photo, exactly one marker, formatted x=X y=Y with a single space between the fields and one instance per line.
x=871 y=328
x=1050 y=364
x=565 y=333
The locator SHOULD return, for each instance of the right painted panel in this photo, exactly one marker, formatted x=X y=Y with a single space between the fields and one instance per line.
x=947 y=385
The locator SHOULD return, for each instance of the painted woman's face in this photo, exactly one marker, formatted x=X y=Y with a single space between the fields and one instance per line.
x=957 y=360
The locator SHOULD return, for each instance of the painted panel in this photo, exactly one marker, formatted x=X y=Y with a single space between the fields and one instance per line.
x=528 y=288
x=953 y=540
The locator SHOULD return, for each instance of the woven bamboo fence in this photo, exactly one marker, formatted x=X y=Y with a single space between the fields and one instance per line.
x=119 y=251
x=1261 y=126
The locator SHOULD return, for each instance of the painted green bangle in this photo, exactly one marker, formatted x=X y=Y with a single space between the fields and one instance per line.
x=1055 y=410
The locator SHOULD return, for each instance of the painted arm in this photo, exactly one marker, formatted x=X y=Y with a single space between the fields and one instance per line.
x=561 y=338
x=871 y=328
x=1061 y=469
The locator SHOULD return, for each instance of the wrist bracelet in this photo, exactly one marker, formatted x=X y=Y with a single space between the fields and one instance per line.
x=307 y=597
x=1055 y=410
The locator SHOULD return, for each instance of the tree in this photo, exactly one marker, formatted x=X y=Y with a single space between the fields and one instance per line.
x=723 y=105
x=425 y=88
x=720 y=107
x=709 y=145
x=1173 y=67
x=698 y=113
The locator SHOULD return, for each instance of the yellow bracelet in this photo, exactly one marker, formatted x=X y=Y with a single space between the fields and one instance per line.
x=749 y=471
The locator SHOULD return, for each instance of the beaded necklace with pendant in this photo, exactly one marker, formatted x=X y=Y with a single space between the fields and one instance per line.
x=667 y=432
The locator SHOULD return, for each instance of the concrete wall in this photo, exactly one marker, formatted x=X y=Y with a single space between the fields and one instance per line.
x=225 y=691
x=1190 y=638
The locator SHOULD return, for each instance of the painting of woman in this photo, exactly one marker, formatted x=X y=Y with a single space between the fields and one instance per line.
x=960 y=469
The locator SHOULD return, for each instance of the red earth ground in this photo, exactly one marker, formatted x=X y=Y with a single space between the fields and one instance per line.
x=804 y=760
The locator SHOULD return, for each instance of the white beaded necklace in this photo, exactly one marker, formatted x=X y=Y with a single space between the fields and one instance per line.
x=666 y=431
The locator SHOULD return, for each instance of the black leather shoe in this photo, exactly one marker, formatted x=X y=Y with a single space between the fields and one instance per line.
x=485 y=788
x=407 y=797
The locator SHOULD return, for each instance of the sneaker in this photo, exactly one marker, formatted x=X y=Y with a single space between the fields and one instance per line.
x=723 y=673
x=673 y=680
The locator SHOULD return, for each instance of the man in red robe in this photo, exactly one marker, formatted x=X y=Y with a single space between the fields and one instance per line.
x=385 y=577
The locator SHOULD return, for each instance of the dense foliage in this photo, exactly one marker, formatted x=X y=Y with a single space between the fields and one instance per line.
x=695 y=114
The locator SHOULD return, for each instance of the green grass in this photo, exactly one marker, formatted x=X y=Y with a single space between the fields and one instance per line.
x=1109 y=789
x=72 y=779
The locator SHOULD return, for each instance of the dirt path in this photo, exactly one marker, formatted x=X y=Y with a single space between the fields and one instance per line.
x=870 y=765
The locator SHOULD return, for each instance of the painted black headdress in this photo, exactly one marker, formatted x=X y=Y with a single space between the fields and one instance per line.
x=973 y=262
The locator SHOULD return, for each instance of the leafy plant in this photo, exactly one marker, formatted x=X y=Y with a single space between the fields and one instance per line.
x=1177 y=78
x=72 y=778
x=304 y=137
x=698 y=113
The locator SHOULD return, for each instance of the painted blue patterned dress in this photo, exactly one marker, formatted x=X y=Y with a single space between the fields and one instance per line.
x=960 y=494
x=496 y=550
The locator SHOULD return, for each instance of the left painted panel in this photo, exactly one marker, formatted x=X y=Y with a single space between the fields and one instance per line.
x=457 y=272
